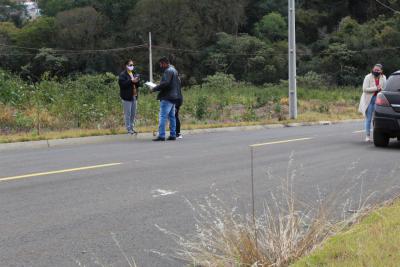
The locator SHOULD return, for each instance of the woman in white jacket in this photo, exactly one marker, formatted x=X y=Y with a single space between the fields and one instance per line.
x=373 y=84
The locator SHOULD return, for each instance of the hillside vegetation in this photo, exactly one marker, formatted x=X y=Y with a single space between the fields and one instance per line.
x=247 y=38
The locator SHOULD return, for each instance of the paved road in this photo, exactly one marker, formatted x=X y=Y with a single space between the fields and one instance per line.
x=54 y=213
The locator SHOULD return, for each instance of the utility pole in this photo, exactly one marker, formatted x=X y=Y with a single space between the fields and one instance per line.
x=150 y=59
x=292 y=61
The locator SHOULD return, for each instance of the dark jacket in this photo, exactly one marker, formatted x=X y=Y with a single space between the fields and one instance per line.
x=179 y=101
x=126 y=86
x=170 y=86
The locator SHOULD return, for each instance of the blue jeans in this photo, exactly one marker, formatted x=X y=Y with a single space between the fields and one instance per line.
x=369 y=115
x=167 y=111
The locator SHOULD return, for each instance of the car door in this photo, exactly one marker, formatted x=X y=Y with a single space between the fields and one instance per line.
x=392 y=91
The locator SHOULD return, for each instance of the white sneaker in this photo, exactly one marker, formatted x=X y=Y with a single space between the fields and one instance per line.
x=180 y=136
x=368 y=139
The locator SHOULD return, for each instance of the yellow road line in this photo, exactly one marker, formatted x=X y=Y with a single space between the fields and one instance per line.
x=57 y=172
x=281 y=142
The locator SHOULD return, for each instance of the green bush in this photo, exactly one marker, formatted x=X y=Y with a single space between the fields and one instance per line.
x=219 y=82
x=23 y=122
x=312 y=80
x=13 y=90
x=201 y=107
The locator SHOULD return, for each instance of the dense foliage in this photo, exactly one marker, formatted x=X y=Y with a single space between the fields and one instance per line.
x=247 y=38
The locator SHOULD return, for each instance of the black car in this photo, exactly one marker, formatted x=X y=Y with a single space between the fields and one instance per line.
x=387 y=112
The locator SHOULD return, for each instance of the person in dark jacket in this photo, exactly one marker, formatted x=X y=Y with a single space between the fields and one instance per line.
x=178 y=105
x=169 y=93
x=129 y=83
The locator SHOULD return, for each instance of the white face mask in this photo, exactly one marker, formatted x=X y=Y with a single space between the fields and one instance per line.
x=131 y=68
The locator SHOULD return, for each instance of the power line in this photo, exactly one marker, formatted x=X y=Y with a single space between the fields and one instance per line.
x=190 y=51
x=86 y=51
x=366 y=50
x=16 y=54
x=387 y=6
x=77 y=52
x=20 y=47
x=179 y=50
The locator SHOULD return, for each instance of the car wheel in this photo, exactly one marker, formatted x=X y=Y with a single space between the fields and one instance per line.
x=381 y=139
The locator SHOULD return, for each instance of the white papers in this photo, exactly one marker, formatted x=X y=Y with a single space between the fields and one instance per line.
x=151 y=85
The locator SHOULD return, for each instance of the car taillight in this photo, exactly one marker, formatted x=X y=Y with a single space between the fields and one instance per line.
x=382 y=101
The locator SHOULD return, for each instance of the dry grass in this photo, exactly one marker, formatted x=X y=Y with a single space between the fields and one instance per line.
x=228 y=239
x=287 y=230
x=6 y=115
x=49 y=135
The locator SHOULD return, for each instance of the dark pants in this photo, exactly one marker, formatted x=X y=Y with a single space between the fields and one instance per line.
x=178 y=121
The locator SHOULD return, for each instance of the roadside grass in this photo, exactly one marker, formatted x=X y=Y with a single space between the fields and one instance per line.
x=375 y=241
x=50 y=135
x=88 y=105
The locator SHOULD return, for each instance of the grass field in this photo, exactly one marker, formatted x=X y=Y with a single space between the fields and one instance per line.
x=90 y=105
x=375 y=241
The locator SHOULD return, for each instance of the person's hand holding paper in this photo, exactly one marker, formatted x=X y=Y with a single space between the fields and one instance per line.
x=151 y=85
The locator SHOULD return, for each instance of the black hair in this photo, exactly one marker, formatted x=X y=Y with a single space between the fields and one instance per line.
x=127 y=62
x=164 y=60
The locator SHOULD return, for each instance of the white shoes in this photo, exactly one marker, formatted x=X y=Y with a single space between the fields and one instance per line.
x=180 y=136
x=368 y=139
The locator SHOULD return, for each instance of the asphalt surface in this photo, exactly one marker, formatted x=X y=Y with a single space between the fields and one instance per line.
x=52 y=213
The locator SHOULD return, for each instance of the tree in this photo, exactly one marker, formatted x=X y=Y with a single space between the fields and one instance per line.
x=37 y=33
x=247 y=58
x=8 y=60
x=338 y=62
x=83 y=29
x=80 y=28
x=192 y=23
x=271 y=27
x=52 y=7
x=12 y=11
x=46 y=62
x=174 y=26
x=117 y=11
x=219 y=16
x=256 y=9
x=186 y=25
x=171 y=21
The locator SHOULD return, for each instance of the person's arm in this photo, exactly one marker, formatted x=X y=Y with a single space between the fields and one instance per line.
x=124 y=80
x=384 y=82
x=137 y=83
x=165 y=81
x=367 y=88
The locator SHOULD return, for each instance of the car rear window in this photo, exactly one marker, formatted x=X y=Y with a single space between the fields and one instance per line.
x=393 y=83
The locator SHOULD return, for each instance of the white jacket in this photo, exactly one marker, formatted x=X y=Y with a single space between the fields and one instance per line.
x=369 y=88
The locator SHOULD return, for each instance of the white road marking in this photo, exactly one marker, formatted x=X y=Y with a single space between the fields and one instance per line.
x=282 y=142
x=162 y=193
x=25 y=176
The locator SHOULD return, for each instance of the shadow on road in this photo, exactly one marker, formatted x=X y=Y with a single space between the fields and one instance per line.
x=394 y=146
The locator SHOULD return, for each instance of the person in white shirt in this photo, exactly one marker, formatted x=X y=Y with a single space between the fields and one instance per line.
x=373 y=84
